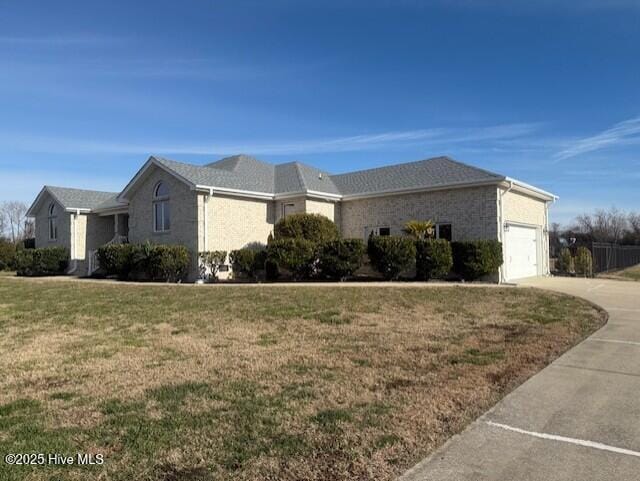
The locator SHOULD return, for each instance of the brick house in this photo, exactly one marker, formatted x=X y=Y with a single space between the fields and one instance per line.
x=235 y=202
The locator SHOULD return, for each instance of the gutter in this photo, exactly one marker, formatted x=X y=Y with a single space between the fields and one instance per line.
x=73 y=253
x=503 y=273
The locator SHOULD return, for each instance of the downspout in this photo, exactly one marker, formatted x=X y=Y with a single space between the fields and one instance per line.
x=205 y=234
x=503 y=277
x=74 y=257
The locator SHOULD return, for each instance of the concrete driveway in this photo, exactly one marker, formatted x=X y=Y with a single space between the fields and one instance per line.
x=577 y=420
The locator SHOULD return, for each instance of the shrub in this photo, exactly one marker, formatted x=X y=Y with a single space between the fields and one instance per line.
x=312 y=227
x=476 y=259
x=565 y=261
x=340 y=258
x=433 y=259
x=583 y=262
x=168 y=263
x=295 y=255
x=49 y=261
x=391 y=255
x=116 y=259
x=248 y=261
x=7 y=256
x=210 y=263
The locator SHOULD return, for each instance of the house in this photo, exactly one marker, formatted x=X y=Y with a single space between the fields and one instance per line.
x=235 y=202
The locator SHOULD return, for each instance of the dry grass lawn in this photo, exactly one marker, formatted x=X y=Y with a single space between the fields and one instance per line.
x=629 y=274
x=177 y=383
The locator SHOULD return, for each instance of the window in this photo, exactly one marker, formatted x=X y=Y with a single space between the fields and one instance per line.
x=161 y=209
x=377 y=231
x=53 y=223
x=288 y=209
x=444 y=231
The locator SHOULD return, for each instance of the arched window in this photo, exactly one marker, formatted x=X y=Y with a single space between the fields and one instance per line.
x=161 y=210
x=53 y=223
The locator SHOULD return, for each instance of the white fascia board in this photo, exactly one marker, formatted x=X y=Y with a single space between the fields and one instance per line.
x=415 y=190
x=77 y=210
x=111 y=211
x=238 y=192
x=150 y=162
x=307 y=193
x=531 y=190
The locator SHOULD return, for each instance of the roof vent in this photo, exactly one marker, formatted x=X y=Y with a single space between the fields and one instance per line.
x=320 y=176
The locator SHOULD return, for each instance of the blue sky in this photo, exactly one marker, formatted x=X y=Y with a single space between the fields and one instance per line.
x=544 y=91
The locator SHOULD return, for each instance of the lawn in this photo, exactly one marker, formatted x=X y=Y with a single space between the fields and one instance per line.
x=177 y=383
x=629 y=274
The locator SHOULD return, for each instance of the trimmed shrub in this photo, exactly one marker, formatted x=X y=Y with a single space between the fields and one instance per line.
x=168 y=263
x=476 y=259
x=312 y=227
x=391 y=255
x=116 y=259
x=340 y=258
x=210 y=263
x=583 y=262
x=248 y=262
x=29 y=243
x=7 y=256
x=434 y=259
x=49 y=261
x=565 y=261
x=298 y=256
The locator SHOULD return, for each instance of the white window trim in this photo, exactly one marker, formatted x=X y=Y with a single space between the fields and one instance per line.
x=53 y=223
x=160 y=201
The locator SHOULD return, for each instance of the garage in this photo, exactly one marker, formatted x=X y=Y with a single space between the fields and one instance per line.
x=521 y=245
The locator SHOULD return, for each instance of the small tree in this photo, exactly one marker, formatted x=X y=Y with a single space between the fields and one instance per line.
x=584 y=262
x=565 y=261
x=391 y=255
x=433 y=259
x=420 y=229
x=210 y=262
x=312 y=227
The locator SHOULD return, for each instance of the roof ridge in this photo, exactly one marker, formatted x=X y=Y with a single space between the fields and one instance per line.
x=77 y=188
x=391 y=166
x=300 y=176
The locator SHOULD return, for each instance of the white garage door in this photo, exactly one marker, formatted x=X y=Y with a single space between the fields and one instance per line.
x=522 y=252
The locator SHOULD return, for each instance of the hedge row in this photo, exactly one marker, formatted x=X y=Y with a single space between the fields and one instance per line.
x=7 y=255
x=152 y=262
x=49 y=261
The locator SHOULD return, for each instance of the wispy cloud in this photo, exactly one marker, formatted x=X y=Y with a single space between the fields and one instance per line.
x=81 y=39
x=365 y=142
x=624 y=132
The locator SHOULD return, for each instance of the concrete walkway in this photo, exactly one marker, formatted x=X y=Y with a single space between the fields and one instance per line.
x=577 y=420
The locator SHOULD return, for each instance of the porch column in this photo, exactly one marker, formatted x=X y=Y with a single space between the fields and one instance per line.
x=115 y=220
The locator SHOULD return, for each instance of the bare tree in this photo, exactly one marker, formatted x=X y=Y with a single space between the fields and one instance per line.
x=14 y=214
x=3 y=223
x=633 y=236
x=603 y=225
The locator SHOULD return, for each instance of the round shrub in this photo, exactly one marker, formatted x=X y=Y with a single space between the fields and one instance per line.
x=434 y=259
x=169 y=263
x=476 y=259
x=391 y=255
x=340 y=258
x=312 y=227
x=247 y=261
x=583 y=262
x=49 y=261
x=298 y=256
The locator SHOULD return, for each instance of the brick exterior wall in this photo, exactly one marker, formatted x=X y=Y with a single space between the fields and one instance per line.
x=184 y=215
x=42 y=225
x=299 y=206
x=472 y=212
x=237 y=222
x=325 y=208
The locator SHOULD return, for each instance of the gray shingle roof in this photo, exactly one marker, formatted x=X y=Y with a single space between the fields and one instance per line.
x=81 y=199
x=429 y=173
x=246 y=173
